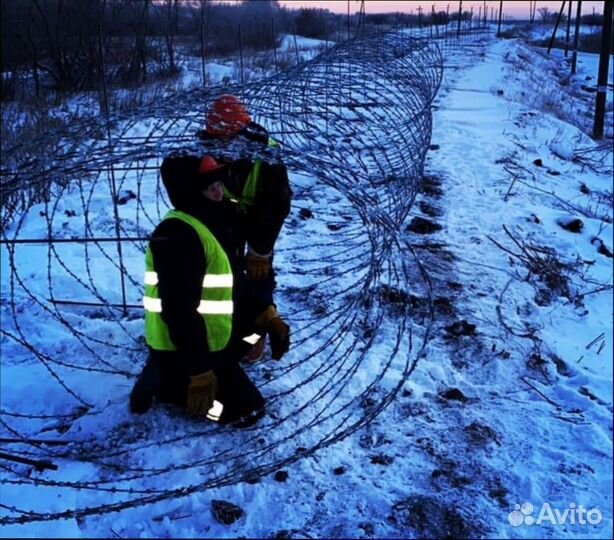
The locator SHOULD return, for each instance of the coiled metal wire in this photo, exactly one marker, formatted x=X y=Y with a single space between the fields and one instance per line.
x=354 y=125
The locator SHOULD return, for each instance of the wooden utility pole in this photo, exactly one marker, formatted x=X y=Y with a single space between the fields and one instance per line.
x=460 y=14
x=568 y=27
x=576 y=37
x=500 y=15
x=363 y=15
x=556 y=26
x=348 y=19
x=604 y=61
x=532 y=8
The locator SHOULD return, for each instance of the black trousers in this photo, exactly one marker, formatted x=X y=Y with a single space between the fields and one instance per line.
x=166 y=380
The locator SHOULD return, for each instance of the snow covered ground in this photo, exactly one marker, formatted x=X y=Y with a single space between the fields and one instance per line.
x=500 y=427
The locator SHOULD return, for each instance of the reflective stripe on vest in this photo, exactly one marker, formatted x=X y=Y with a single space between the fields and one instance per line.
x=248 y=195
x=216 y=305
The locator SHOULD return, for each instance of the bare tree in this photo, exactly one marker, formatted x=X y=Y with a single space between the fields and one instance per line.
x=65 y=41
x=171 y=32
x=137 y=72
x=313 y=22
x=61 y=43
x=545 y=14
x=255 y=17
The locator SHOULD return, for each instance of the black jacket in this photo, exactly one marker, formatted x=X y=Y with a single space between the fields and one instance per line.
x=180 y=262
x=263 y=221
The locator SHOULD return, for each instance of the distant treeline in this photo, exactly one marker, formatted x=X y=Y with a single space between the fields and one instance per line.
x=62 y=45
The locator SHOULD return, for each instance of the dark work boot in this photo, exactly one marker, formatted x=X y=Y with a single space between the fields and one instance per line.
x=146 y=387
x=243 y=403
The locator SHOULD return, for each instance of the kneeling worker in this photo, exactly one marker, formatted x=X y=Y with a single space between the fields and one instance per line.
x=189 y=304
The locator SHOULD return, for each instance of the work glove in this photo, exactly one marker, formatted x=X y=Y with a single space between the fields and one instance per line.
x=258 y=266
x=279 y=338
x=201 y=393
x=270 y=322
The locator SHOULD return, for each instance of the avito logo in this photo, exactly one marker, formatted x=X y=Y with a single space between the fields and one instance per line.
x=573 y=515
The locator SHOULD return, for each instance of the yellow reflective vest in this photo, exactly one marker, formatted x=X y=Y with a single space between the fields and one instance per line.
x=216 y=305
x=248 y=194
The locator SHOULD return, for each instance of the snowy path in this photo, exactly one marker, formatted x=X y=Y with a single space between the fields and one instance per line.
x=554 y=438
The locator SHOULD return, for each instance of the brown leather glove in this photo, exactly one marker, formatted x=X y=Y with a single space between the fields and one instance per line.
x=279 y=338
x=201 y=393
x=258 y=266
x=270 y=322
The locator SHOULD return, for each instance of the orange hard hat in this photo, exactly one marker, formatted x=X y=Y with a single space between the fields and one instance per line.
x=227 y=116
x=208 y=165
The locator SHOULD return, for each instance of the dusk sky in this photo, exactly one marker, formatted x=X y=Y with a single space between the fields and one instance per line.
x=518 y=9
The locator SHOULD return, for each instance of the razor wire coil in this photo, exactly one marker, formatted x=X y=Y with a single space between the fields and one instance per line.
x=354 y=124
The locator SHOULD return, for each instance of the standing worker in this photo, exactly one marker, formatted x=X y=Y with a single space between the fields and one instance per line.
x=262 y=191
x=190 y=303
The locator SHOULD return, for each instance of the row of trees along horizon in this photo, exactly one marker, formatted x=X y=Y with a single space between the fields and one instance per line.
x=61 y=45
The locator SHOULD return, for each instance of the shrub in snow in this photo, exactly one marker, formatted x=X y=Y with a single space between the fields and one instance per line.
x=570 y=224
x=225 y=512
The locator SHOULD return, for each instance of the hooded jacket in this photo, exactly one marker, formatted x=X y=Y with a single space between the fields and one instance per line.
x=180 y=262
